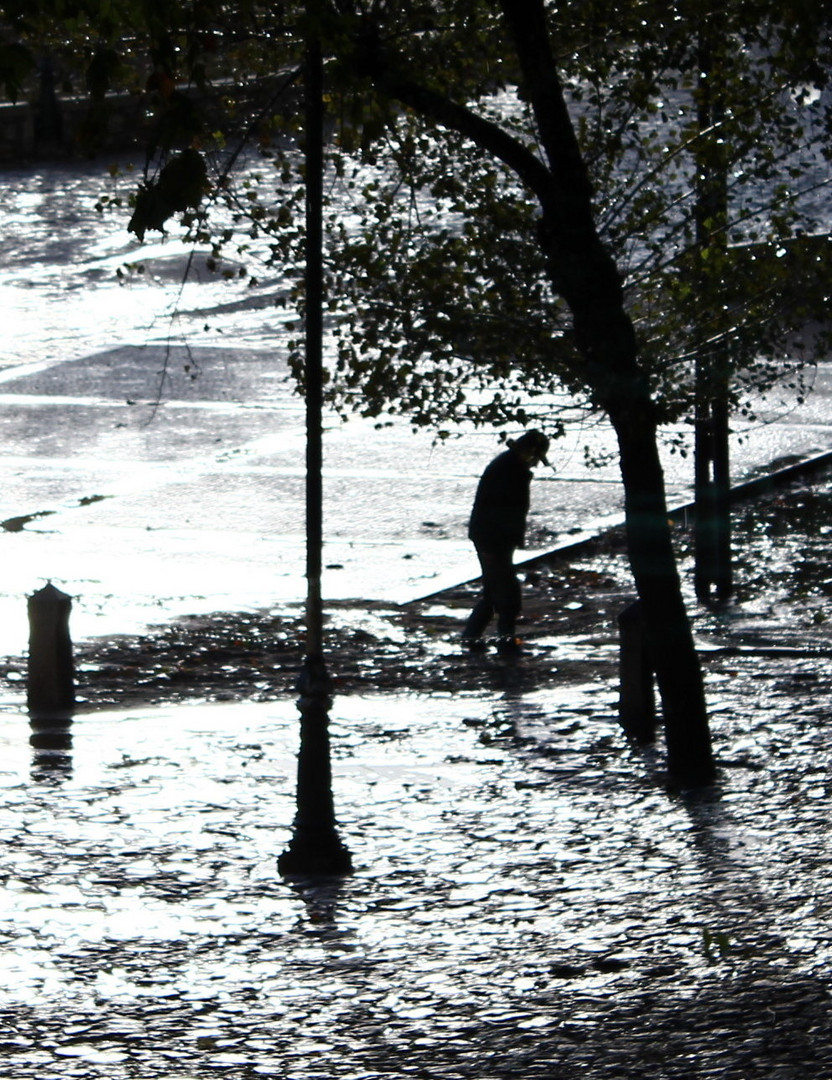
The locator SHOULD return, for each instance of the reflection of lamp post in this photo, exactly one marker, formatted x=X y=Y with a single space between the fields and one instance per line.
x=315 y=847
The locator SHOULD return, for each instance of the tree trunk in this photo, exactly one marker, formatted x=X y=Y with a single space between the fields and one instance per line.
x=713 y=567
x=606 y=338
x=585 y=275
x=669 y=638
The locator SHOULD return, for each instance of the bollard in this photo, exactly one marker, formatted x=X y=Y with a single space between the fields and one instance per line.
x=51 y=683
x=51 y=738
x=636 y=702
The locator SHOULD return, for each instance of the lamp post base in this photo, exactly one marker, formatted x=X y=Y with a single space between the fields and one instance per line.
x=315 y=849
x=315 y=857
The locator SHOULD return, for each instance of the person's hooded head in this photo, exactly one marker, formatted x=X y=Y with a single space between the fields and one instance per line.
x=532 y=447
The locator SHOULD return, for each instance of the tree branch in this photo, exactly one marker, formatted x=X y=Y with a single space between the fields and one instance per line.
x=443 y=110
x=526 y=21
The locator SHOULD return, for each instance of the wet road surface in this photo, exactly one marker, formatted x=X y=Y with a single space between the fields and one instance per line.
x=528 y=900
x=153 y=448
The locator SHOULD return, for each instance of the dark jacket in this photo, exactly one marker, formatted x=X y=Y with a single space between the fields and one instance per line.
x=498 y=519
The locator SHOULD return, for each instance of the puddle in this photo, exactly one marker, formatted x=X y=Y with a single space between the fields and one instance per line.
x=527 y=899
x=152 y=471
x=507 y=851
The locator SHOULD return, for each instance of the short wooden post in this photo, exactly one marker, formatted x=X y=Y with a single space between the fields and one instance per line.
x=637 y=702
x=51 y=675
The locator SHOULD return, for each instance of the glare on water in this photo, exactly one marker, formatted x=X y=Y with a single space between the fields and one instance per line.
x=518 y=866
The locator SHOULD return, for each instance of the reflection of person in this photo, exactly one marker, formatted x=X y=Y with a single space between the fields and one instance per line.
x=497 y=527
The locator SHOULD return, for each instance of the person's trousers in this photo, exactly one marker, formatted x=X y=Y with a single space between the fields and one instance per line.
x=500 y=594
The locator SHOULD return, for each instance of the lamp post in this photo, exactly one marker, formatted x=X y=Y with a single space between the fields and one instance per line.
x=315 y=848
x=713 y=570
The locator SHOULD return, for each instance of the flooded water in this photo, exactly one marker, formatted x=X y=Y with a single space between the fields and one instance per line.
x=153 y=447
x=528 y=901
x=513 y=894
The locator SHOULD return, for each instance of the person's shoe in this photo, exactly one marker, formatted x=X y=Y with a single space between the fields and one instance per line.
x=509 y=645
x=472 y=644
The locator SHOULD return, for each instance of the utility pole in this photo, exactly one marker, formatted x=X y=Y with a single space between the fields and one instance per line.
x=315 y=848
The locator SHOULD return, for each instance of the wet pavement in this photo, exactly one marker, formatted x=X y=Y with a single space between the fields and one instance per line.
x=153 y=447
x=528 y=900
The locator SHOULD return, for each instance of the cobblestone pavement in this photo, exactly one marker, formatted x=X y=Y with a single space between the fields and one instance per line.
x=528 y=900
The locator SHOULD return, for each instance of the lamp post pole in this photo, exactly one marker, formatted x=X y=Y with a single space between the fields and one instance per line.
x=713 y=570
x=315 y=848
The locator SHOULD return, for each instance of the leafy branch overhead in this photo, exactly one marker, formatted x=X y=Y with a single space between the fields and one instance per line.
x=444 y=302
x=181 y=185
x=440 y=289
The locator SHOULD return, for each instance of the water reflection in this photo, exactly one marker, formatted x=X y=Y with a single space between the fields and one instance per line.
x=320 y=899
x=503 y=886
x=51 y=765
x=51 y=741
x=51 y=734
x=738 y=916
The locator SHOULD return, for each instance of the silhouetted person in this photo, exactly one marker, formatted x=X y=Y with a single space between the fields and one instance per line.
x=497 y=528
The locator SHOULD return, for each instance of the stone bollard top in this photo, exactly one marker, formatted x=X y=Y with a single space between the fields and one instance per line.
x=50 y=593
